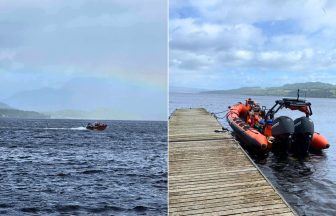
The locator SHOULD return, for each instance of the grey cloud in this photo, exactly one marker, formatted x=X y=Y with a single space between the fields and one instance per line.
x=245 y=45
x=87 y=35
x=190 y=61
x=49 y=43
x=188 y=34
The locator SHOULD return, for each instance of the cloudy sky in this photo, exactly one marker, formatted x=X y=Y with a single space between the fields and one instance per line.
x=228 y=44
x=47 y=43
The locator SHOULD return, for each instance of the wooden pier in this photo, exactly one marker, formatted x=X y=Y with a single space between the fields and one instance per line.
x=210 y=174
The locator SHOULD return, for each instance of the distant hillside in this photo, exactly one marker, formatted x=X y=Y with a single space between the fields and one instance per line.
x=4 y=106
x=67 y=114
x=79 y=97
x=176 y=89
x=311 y=89
x=100 y=113
x=14 y=113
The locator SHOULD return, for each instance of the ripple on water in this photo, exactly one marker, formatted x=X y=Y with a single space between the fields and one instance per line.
x=92 y=171
x=30 y=210
x=121 y=171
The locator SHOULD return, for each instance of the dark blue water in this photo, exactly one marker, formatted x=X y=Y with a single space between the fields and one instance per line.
x=53 y=167
x=308 y=186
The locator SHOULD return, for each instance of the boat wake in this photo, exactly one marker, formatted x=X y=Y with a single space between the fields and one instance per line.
x=72 y=128
x=78 y=128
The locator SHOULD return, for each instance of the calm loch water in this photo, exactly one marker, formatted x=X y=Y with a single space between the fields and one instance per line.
x=53 y=167
x=309 y=186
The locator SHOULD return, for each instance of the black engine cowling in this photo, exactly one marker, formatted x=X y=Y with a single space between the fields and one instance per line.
x=282 y=125
x=282 y=130
x=304 y=130
x=303 y=125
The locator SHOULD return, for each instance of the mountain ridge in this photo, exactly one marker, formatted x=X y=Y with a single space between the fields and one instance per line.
x=15 y=113
x=311 y=89
x=4 y=106
x=94 y=97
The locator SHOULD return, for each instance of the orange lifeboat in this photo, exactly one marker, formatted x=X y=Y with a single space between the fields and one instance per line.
x=262 y=132
x=96 y=126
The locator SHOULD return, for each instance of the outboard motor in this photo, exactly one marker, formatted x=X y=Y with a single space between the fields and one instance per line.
x=304 y=130
x=282 y=131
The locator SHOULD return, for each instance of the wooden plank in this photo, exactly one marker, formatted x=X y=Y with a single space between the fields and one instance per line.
x=210 y=174
x=223 y=196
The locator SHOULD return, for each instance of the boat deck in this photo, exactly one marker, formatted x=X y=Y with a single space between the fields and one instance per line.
x=210 y=174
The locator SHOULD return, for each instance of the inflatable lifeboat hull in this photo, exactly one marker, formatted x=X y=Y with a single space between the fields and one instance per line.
x=98 y=128
x=251 y=137
x=255 y=128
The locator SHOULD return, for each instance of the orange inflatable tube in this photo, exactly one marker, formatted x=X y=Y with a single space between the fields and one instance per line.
x=249 y=135
x=319 y=142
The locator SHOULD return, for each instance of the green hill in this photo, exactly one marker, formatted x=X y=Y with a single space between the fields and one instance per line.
x=9 y=112
x=310 y=89
x=14 y=113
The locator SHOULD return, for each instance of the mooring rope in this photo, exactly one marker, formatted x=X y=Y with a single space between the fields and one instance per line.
x=220 y=117
x=215 y=113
